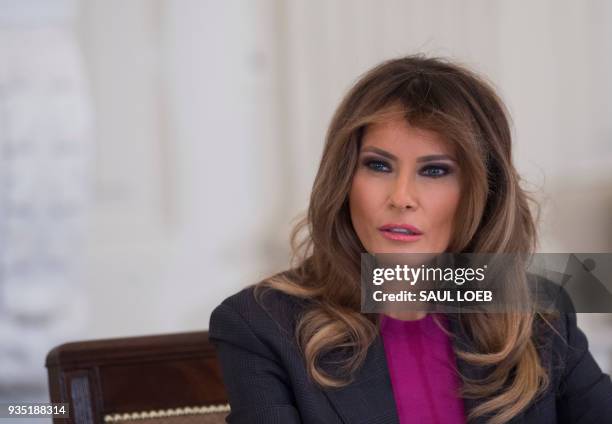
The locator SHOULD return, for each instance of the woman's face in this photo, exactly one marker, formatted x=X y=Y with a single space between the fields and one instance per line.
x=405 y=190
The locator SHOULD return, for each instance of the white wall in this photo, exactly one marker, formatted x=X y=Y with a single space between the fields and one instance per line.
x=190 y=169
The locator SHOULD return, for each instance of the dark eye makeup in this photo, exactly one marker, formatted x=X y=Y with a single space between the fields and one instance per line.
x=432 y=170
x=377 y=165
x=435 y=170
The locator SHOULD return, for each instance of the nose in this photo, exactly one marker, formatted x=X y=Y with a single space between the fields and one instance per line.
x=403 y=193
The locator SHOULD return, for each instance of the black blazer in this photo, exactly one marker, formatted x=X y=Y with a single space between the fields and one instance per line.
x=267 y=382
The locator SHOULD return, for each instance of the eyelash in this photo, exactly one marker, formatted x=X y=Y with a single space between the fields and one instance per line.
x=369 y=162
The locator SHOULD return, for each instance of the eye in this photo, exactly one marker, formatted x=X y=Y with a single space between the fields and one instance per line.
x=435 y=171
x=377 y=165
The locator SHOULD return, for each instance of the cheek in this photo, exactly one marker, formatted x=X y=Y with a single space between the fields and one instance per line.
x=443 y=204
x=363 y=199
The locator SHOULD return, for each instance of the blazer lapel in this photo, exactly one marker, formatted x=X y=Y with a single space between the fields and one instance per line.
x=369 y=398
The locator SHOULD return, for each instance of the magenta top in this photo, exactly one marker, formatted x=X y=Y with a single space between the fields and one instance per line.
x=422 y=369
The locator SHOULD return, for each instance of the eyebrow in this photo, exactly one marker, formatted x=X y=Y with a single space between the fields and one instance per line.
x=427 y=158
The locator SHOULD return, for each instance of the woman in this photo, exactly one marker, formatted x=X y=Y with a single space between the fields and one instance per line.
x=417 y=159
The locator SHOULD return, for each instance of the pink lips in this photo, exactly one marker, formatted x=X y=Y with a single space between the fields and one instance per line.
x=386 y=231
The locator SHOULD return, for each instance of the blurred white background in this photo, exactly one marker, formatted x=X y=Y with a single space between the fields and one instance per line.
x=190 y=132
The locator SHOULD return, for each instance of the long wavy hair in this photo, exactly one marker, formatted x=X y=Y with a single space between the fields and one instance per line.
x=443 y=96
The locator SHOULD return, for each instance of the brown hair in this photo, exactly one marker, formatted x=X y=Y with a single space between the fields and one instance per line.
x=445 y=97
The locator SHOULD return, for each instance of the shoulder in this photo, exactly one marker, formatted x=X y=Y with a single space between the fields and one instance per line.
x=260 y=363
x=272 y=314
x=563 y=346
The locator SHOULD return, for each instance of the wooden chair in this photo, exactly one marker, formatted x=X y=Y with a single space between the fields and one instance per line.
x=163 y=379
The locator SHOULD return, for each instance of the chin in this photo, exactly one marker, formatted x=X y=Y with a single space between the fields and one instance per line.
x=400 y=249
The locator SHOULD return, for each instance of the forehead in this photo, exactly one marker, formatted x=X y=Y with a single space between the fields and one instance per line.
x=397 y=135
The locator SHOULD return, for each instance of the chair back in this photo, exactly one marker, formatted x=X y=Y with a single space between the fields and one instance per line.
x=162 y=379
